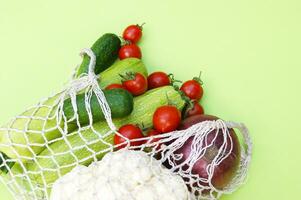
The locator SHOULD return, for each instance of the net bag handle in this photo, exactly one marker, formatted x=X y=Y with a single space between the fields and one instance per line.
x=86 y=80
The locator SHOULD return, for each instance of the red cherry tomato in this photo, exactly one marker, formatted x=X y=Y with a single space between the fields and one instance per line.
x=129 y=51
x=114 y=86
x=192 y=89
x=166 y=118
x=133 y=33
x=135 y=83
x=129 y=131
x=157 y=79
x=197 y=109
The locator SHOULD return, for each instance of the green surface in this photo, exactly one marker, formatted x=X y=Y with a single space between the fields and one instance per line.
x=249 y=52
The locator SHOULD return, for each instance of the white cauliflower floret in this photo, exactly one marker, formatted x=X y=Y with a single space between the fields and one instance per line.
x=121 y=175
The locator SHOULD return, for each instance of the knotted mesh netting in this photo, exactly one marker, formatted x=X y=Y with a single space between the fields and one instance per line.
x=43 y=144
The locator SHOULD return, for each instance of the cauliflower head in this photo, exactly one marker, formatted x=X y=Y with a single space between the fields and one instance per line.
x=121 y=175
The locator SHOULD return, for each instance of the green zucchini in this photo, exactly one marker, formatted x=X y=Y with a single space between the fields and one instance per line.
x=21 y=185
x=84 y=142
x=106 y=50
x=120 y=102
x=40 y=123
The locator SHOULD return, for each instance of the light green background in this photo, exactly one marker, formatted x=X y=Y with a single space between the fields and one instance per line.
x=249 y=52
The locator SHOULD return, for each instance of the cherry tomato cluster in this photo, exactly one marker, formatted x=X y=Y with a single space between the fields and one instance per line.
x=132 y=34
x=166 y=118
x=193 y=90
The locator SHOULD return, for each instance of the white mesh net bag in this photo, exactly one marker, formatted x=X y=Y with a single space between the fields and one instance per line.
x=44 y=143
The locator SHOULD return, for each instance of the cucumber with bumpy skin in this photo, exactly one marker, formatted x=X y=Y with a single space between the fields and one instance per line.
x=120 y=102
x=49 y=166
x=40 y=123
x=106 y=50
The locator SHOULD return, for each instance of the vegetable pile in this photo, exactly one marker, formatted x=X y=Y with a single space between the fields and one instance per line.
x=118 y=132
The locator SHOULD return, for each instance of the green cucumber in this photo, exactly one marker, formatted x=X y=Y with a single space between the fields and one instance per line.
x=120 y=102
x=5 y=165
x=40 y=122
x=106 y=50
x=83 y=143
